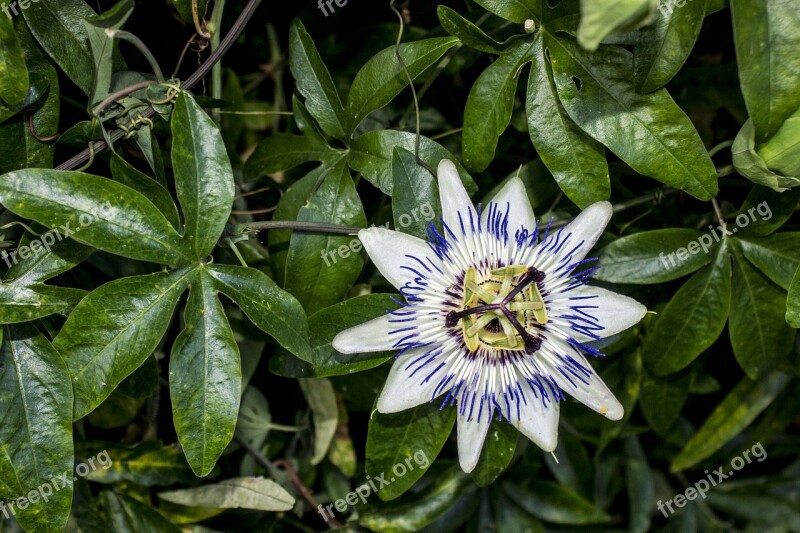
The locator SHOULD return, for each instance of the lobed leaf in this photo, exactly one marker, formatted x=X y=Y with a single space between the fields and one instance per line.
x=692 y=320
x=205 y=377
x=490 y=104
x=94 y=211
x=649 y=132
x=113 y=331
x=314 y=82
x=577 y=161
x=203 y=175
x=739 y=408
x=36 y=409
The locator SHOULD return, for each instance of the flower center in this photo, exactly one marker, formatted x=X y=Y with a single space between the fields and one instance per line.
x=498 y=311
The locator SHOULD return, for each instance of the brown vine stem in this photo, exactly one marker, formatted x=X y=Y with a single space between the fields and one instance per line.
x=122 y=93
x=199 y=74
x=281 y=464
x=307 y=496
x=407 y=73
x=40 y=138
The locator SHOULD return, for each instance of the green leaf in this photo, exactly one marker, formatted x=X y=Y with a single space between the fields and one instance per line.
x=662 y=399
x=23 y=303
x=36 y=409
x=282 y=151
x=271 y=309
x=46 y=262
x=571 y=466
x=664 y=46
x=415 y=195
x=467 y=32
x=692 y=320
x=766 y=36
x=205 y=377
x=509 y=516
x=490 y=104
x=203 y=175
x=514 y=10
x=539 y=184
x=773 y=210
x=113 y=331
x=321 y=268
x=554 y=503
x=288 y=208
x=255 y=420
x=498 y=451
x=762 y=512
x=748 y=162
x=739 y=408
x=128 y=515
x=782 y=151
x=13 y=71
x=793 y=302
x=382 y=78
x=641 y=490
x=656 y=256
x=314 y=82
x=321 y=400
x=601 y=19
x=58 y=27
x=94 y=211
x=418 y=433
x=124 y=173
x=420 y=510
x=104 y=47
x=649 y=132
x=577 y=161
x=371 y=155
x=759 y=333
x=148 y=464
x=147 y=142
x=237 y=493
x=18 y=147
x=777 y=256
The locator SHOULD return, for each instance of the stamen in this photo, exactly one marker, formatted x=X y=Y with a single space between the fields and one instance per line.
x=482 y=299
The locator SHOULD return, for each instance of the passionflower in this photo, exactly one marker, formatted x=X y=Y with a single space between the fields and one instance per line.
x=497 y=315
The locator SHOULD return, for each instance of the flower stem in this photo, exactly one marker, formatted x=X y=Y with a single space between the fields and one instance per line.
x=315 y=227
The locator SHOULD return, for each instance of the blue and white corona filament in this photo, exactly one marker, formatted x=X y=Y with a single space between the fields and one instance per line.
x=497 y=315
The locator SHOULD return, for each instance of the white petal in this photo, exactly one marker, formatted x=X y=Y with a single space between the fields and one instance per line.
x=539 y=423
x=612 y=312
x=589 y=389
x=391 y=251
x=514 y=197
x=454 y=198
x=371 y=336
x=586 y=229
x=410 y=383
x=471 y=434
